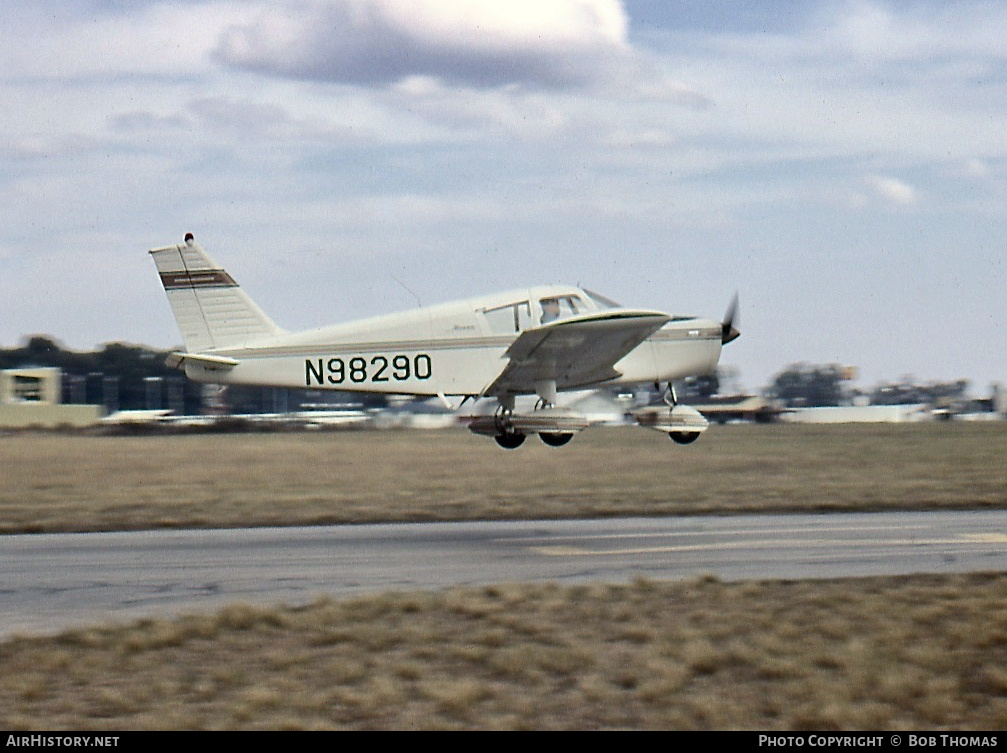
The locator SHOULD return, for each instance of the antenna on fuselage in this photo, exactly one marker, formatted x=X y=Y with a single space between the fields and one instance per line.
x=406 y=288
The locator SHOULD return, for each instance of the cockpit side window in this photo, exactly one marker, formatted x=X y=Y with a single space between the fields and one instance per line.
x=560 y=307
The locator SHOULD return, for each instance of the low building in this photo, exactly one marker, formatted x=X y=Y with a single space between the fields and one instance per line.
x=32 y=398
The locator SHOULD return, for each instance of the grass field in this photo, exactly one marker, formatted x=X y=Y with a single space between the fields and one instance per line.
x=55 y=482
x=911 y=653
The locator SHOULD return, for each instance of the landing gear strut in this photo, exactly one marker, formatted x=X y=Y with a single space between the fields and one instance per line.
x=682 y=423
x=554 y=425
x=506 y=435
x=679 y=437
x=670 y=396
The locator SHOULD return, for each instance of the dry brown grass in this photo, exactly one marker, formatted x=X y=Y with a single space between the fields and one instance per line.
x=71 y=483
x=881 y=654
x=923 y=652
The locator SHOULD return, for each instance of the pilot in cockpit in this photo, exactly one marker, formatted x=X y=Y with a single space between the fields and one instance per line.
x=550 y=310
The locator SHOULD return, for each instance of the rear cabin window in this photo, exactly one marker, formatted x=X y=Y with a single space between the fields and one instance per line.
x=513 y=317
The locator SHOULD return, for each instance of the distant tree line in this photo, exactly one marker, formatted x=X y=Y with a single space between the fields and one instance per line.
x=813 y=386
x=907 y=392
x=808 y=386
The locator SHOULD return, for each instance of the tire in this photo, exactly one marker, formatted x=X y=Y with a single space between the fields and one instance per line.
x=684 y=437
x=510 y=441
x=555 y=439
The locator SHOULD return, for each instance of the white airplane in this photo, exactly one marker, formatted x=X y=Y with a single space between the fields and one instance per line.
x=538 y=341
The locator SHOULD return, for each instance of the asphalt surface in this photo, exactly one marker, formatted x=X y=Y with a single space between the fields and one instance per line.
x=51 y=582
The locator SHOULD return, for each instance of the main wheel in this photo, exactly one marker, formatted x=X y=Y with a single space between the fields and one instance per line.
x=554 y=439
x=684 y=437
x=510 y=441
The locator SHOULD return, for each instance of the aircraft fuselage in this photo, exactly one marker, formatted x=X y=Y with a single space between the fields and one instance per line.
x=449 y=349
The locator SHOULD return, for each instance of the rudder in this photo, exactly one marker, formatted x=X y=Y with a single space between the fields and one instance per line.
x=211 y=310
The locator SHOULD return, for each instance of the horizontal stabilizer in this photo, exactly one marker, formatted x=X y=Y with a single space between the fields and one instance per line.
x=211 y=363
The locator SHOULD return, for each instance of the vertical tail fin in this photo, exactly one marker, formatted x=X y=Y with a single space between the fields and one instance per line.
x=211 y=310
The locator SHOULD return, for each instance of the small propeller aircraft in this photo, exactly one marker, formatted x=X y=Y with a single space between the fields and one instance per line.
x=539 y=341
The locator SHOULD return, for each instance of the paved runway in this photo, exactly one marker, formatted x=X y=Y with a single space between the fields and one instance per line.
x=50 y=582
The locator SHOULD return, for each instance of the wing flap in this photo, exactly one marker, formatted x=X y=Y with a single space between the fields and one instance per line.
x=574 y=352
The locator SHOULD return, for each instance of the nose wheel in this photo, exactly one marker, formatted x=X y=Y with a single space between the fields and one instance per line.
x=684 y=437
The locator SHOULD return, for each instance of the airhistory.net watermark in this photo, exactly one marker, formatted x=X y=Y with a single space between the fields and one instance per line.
x=62 y=741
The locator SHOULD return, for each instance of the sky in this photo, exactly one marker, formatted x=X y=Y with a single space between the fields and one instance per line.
x=842 y=166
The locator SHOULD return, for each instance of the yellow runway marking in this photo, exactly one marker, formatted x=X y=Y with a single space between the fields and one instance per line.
x=985 y=538
x=716 y=532
x=967 y=539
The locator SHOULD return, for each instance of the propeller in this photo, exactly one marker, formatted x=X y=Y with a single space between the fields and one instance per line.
x=728 y=330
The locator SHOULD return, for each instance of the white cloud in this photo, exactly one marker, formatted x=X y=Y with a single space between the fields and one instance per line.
x=545 y=42
x=645 y=138
x=913 y=31
x=482 y=112
x=162 y=39
x=975 y=168
x=892 y=190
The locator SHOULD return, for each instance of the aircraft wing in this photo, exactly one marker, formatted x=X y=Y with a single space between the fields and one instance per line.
x=576 y=352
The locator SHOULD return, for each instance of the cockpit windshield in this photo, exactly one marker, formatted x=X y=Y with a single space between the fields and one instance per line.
x=601 y=301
